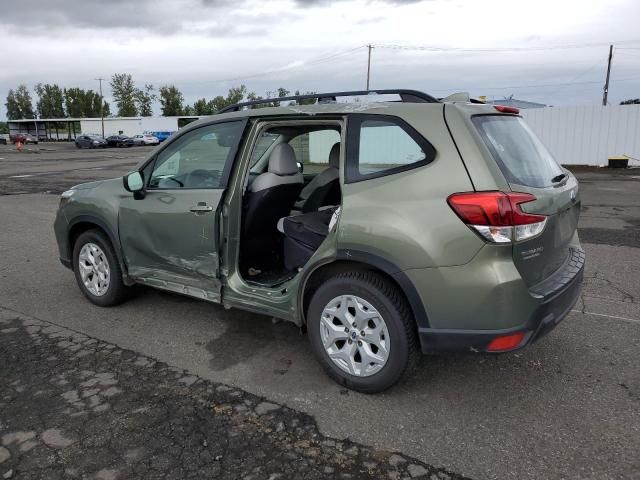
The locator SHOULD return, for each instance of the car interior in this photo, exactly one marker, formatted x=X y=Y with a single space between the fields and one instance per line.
x=292 y=191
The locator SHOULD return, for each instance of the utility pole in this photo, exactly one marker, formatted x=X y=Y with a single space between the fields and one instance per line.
x=606 y=83
x=370 y=47
x=101 y=105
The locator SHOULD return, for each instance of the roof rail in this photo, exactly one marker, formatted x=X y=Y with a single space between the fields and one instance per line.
x=406 y=96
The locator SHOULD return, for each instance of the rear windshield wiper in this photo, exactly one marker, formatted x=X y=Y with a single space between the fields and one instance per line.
x=558 y=178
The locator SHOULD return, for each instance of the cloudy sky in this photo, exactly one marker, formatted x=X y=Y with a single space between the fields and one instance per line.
x=551 y=51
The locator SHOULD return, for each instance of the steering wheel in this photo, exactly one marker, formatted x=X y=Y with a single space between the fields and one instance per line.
x=202 y=179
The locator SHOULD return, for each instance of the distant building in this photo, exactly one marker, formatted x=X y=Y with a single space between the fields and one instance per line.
x=514 y=102
x=69 y=128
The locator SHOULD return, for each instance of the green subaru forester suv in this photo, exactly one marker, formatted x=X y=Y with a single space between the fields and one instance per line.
x=388 y=225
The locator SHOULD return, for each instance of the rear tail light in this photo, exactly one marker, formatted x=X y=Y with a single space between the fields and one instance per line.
x=506 y=342
x=497 y=216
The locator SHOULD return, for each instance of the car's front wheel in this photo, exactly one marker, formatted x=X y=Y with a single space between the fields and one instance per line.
x=97 y=270
x=362 y=331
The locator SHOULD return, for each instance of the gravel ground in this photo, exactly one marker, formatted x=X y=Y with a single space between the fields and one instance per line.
x=76 y=407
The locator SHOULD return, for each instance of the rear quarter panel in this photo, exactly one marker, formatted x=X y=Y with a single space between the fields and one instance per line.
x=404 y=218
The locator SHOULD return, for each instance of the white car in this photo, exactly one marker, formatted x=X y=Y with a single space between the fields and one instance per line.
x=145 y=140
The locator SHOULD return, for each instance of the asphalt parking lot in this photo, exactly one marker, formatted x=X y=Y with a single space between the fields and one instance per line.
x=567 y=407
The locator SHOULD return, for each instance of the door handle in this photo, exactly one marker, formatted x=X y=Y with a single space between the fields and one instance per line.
x=201 y=208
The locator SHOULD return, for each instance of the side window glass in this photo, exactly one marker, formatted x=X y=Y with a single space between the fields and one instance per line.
x=198 y=159
x=384 y=145
x=380 y=145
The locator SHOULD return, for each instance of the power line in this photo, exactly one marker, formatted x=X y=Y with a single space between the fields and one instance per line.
x=285 y=68
x=543 y=85
x=432 y=48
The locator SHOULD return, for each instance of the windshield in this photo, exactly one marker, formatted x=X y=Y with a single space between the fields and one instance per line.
x=521 y=156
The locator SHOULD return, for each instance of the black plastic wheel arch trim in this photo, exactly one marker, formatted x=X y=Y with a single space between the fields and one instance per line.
x=403 y=281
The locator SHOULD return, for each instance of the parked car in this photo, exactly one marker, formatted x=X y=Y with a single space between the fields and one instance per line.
x=120 y=141
x=90 y=141
x=24 y=138
x=145 y=140
x=161 y=136
x=414 y=225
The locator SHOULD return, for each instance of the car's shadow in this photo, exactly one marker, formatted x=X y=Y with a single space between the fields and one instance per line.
x=274 y=346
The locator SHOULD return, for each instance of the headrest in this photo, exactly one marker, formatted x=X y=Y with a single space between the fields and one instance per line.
x=334 y=156
x=283 y=160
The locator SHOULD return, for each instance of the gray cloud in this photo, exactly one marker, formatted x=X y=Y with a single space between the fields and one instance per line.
x=151 y=16
x=206 y=46
x=316 y=3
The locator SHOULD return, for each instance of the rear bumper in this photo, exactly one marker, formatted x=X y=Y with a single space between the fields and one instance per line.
x=557 y=296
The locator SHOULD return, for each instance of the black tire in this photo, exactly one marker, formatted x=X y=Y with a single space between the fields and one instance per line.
x=117 y=291
x=390 y=303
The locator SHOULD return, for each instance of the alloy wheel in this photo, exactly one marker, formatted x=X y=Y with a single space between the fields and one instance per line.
x=354 y=335
x=94 y=269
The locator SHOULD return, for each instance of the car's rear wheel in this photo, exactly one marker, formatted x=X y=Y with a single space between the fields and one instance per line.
x=97 y=270
x=362 y=332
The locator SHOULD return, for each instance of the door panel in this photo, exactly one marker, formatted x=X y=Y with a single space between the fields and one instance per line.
x=169 y=234
x=167 y=245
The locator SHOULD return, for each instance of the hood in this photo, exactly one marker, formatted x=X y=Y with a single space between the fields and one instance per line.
x=88 y=185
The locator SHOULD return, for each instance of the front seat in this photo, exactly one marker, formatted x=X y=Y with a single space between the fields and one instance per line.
x=272 y=194
x=324 y=189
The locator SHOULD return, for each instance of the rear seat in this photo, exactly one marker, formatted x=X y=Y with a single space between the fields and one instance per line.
x=303 y=235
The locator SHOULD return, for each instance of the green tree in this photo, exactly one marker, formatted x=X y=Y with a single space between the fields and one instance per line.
x=90 y=104
x=124 y=93
x=308 y=101
x=19 y=103
x=144 y=100
x=188 y=111
x=84 y=103
x=74 y=99
x=50 y=101
x=171 y=100
x=235 y=95
x=4 y=128
x=202 y=107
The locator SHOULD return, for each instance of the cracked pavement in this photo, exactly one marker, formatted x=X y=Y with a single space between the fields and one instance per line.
x=73 y=406
x=567 y=407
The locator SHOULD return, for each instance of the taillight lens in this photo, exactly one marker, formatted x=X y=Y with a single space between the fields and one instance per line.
x=497 y=216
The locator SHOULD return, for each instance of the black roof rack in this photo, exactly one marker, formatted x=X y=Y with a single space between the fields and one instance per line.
x=406 y=96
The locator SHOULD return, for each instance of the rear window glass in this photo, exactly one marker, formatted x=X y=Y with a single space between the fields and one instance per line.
x=521 y=156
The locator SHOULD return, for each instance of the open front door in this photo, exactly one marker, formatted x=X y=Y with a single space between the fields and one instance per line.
x=169 y=235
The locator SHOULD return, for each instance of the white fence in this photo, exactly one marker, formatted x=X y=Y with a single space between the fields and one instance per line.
x=587 y=135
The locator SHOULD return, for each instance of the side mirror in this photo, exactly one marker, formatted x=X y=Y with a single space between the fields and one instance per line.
x=134 y=182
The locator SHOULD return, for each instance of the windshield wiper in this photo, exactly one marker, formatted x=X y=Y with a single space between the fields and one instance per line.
x=558 y=178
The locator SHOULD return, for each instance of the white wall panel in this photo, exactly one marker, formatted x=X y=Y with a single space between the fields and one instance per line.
x=129 y=126
x=587 y=135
